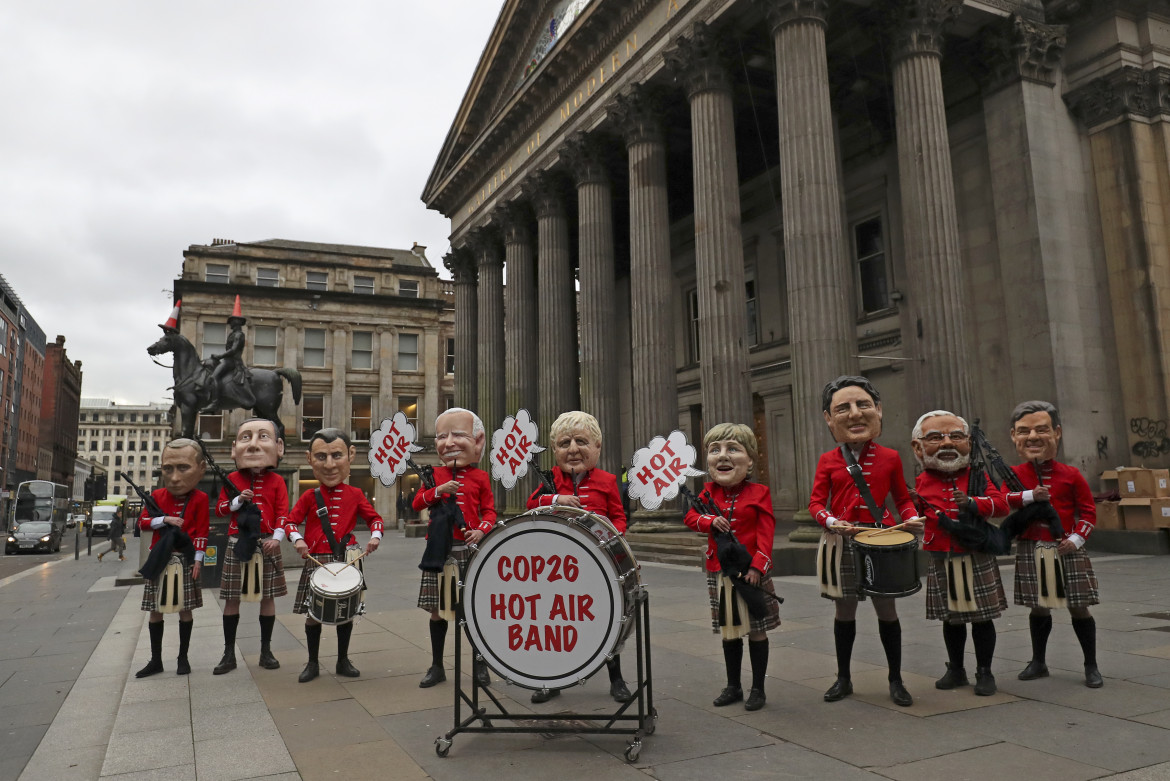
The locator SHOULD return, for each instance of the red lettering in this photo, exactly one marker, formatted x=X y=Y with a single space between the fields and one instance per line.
x=393 y=464
x=402 y=443
x=570 y=638
x=584 y=602
x=514 y=637
x=555 y=575
x=522 y=573
x=552 y=638
x=533 y=638
x=380 y=455
x=537 y=567
x=501 y=457
x=513 y=464
x=677 y=466
x=657 y=461
x=532 y=600
x=505 y=561
x=498 y=606
x=660 y=486
x=516 y=607
x=645 y=475
x=666 y=447
x=509 y=441
x=571 y=569
x=558 y=609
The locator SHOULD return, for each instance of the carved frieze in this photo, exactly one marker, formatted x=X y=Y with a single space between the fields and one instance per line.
x=1125 y=92
x=1018 y=48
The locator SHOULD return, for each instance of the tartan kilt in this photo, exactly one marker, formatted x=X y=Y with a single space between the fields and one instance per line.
x=1080 y=581
x=988 y=590
x=428 y=590
x=231 y=579
x=192 y=594
x=770 y=621
x=849 y=584
x=301 y=601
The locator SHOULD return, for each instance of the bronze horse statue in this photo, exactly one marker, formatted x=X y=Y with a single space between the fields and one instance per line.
x=193 y=384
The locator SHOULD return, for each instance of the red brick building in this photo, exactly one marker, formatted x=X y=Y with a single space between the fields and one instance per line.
x=60 y=404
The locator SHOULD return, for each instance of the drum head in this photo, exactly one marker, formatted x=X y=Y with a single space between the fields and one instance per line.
x=542 y=601
x=877 y=538
x=334 y=577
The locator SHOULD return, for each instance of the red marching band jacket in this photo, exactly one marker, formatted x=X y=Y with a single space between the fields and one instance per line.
x=598 y=492
x=269 y=493
x=936 y=488
x=346 y=503
x=474 y=497
x=1070 y=496
x=193 y=510
x=835 y=494
x=752 y=521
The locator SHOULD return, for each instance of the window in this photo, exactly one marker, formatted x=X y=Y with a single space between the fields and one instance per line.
x=105 y=460
x=693 y=319
x=408 y=288
x=408 y=352
x=870 y=253
x=264 y=345
x=267 y=277
x=133 y=417
x=129 y=460
x=312 y=415
x=106 y=445
x=130 y=445
x=118 y=445
x=117 y=460
x=450 y=356
x=214 y=339
x=210 y=427
x=363 y=350
x=450 y=402
x=154 y=461
x=155 y=445
x=121 y=419
x=316 y=280
x=315 y=347
x=363 y=285
x=408 y=406
x=360 y=414
x=216 y=272
x=753 y=323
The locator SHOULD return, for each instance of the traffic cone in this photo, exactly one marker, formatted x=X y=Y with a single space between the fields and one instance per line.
x=172 y=323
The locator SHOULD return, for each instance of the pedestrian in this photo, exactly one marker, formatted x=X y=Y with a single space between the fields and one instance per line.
x=116 y=535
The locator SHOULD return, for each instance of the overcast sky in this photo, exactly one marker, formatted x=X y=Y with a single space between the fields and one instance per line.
x=132 y=129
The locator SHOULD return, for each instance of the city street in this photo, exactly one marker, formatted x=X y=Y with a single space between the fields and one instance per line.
x=72 y=708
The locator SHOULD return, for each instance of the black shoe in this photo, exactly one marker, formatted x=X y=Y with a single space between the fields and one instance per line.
x=729 y=695
x=1033 y=671
x=1093 y=677
x=755 y=700
x=619 y=691
x=267 y=660
x=984 y=682
x=483 y=678
x=153 y=667
x=544 y=695
x=840 y=689
x=226 y=664
x=899 y=694
x=435 y=675
x=345 y=667
x=311 y=671
x=183 y=667
x=952 y=678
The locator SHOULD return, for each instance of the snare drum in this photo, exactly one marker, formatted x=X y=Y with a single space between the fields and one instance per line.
x=887 y=563
x=550 y=596
x=335 y=593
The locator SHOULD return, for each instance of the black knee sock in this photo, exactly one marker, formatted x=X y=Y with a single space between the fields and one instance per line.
x=1039 y=627
x=229 y=633
x=266 y=624
x=758 y=653
x=890 y=633
x=344 y=631
x=1086 y=629
x=955 y=639
x=438 y=640
x=614 y=666
x=844 y=633
x=185 y=628
x=156 y=636
x=733 y=659
x=313 y=640
x=983 y=637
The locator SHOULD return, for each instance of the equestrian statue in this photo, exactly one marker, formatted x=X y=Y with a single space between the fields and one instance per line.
x=222 y=381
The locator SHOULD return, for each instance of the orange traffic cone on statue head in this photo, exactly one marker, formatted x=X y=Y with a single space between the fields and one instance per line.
x=172 y=323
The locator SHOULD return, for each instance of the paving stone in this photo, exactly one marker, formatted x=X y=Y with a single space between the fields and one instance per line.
x=326 y=724
x=774 y=761
x=65 y=764
x=153 y=714
x=135 y=751
x=375 y=761
x=240 y=758
x=1152 y=773
x=241 y=720
x=1000 y=760
x=175 y=773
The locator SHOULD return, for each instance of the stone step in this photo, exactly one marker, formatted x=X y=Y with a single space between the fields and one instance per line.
x=682 y=559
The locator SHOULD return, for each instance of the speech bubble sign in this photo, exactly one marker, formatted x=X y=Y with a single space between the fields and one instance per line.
x=390 y=446
x=660 y=468
x=513 y=446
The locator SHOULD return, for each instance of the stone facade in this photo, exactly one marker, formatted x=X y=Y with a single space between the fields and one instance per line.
x=124 y=438
x=369 y=329
x=966 y=201
x=60 y=402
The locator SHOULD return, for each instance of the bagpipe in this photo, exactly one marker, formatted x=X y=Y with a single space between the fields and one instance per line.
x=1003 y=476
x=734 y=558
x=171 y=539
x=446 y=516
x=249 y=528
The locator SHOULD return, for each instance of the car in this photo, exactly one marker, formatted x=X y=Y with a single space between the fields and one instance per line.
x=34 y=536
x=75 y=519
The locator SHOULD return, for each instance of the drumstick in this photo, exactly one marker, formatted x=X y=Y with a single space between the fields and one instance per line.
x=309 y=556
x=355 y=561
x=889 y=529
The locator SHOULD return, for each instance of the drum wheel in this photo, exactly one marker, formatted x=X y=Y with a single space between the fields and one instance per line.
x=653 y=723
x=442 y=747
x=633 y=751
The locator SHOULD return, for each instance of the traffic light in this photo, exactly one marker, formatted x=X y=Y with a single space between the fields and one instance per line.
x=100 y=484
x=89 y=488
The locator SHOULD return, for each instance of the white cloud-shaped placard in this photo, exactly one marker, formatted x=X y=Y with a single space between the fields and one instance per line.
x=390 y=446
x=513 y=445
x=660 y=468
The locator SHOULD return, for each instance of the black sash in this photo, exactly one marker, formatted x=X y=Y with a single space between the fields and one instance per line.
x=859 y=480
x=327 y=525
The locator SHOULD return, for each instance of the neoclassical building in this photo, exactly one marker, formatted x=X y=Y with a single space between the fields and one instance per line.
x=705 y=209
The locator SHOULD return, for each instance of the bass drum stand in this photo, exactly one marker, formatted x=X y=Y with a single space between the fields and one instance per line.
x=637 y=724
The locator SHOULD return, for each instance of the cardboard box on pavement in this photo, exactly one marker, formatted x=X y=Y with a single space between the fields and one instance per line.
x=1145 y=514
x=1135 y=483
x=1109 y=515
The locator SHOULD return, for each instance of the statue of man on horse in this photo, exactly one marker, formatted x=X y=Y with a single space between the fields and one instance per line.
x=222 y=381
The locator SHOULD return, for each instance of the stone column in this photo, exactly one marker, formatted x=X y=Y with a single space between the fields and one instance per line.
x=555 y=304
x=520 y=323
x=595 y=256
x=385 y=406
x=490 y=336
x=289 y=412
x=338 y=409
x=434 y=356
x=698 y=62
x=930 y=224
x=820 y=290
x=463 y=269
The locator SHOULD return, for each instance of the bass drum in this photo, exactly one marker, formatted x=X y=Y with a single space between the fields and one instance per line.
x=550 y=595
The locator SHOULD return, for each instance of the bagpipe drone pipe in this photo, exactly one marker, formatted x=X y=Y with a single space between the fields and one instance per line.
x=1005 y=477
x=249 y=521
x=446 y=516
